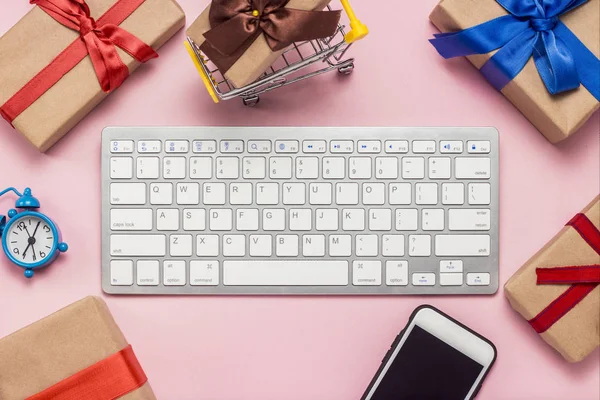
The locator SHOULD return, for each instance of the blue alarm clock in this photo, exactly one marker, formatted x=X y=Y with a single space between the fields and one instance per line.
x=30 y=239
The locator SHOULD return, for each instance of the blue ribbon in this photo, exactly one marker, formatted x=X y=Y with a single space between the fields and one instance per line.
x=531 y=28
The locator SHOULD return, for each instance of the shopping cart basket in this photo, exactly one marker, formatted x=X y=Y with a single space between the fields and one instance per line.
x=295 y=64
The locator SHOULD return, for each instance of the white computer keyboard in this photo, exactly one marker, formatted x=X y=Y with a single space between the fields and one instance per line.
x=206 y=210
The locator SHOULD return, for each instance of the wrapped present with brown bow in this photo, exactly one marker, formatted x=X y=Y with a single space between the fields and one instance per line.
x=558 y=290
x=77 y=353
x=243 y=38
x=65 y=56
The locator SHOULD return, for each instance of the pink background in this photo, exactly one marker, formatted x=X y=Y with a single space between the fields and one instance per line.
x=195 y=348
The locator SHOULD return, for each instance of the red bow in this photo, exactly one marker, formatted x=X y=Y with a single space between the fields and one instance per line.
x=583 y=279
x=101 y=41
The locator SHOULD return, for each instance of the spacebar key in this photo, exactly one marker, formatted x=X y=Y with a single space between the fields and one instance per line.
x=285 y=273
x=138 y=245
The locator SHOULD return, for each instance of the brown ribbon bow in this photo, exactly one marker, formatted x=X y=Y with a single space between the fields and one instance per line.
x=237 y=23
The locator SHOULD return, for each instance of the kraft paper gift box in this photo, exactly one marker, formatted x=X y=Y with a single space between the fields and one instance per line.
x=556 y=116
x=37 y=39
x=259 y=56
x=565 y=309
x=70 y=353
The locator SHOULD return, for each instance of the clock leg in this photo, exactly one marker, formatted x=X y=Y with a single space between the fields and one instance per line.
x=28 y=273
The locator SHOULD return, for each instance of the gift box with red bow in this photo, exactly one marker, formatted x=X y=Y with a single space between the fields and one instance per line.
x=76 y=353
x=541 y=54
x=64 y=57
x=243 y=38
x=558 y=290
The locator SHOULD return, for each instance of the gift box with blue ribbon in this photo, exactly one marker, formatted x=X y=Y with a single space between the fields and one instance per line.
x=541 y=54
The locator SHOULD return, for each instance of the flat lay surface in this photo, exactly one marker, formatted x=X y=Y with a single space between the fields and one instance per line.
x=306 y=347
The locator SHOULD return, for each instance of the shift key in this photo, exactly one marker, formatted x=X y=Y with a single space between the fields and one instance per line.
x=462 y=245
x=138 y=245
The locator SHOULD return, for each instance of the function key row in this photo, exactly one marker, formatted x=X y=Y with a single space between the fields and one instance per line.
x=308 y=146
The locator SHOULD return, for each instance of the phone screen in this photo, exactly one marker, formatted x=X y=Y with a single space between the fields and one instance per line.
x=427 y=368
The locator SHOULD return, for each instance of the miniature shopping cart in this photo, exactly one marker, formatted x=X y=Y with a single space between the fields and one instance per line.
x=301 y=61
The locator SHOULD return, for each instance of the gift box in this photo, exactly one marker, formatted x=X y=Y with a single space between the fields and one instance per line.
x=566 y=48
x=558 y=290
x=64 y=57
x=243 y=39
x=76 y=353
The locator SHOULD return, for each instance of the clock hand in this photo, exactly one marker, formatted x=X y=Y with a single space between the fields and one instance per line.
x=36 y=228
x=26 y=230
x=26 y=248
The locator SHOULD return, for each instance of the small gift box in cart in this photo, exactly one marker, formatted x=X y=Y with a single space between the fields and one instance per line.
x=233 y=43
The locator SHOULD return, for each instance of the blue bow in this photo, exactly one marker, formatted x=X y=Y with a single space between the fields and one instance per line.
x=531 y=28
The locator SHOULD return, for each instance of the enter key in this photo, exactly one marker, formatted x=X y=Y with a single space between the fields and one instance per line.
x=474 y=219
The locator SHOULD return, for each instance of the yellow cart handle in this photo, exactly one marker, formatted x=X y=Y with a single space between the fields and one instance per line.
x=358 y=30
x=208 y=81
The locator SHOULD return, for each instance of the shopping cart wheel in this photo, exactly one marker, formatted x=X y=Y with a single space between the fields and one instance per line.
x=346 y=70
x=251 y=101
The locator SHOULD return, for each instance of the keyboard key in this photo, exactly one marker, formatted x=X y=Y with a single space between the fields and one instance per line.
x=423 y=279
x=149 y=146
x=148 y=273
x=188 y=193
x=300 y=219
x=472 y=168
x=204 y=146
x=396 y=273
x=273 y=219
x=234 y=245
x=180 y=245
x=267 y=194
x=201 y=167
x=469 y=219
x=451 y=266
x=307 y=167
x=432 y=219
x=213 y=193
x=247 y=219
x=121 y=273
x=453 y=193
x=261 y=246
x=232 y=146
x=478 y=279
x=419 y=245
x=451 y=146
x=400 y=193
x=240 y=193
x=294 y=193
x=380 y=219
x=167 y=219
x=313 y=245
x=334 y=167
x=360 y=168
x=286 y=245
x=314 y=146
x=413 y=167
x=127 y=193
x=148 y=167
x=479 y=193
x=194 y=219
x=286 y=146
x=220 y=219
x=280 y=167
x=353 y=219
x=320 y=193
x=161 y=193
x=396 y=146
x=406 y=219
x=386 y=168
x=439 y=168
x=340 y=245
x=462 y=245
x=174 y=167
x=367 y=245
x=259 y=146
x=426 y=193
x=204 y=273
x=373 y=193
x=174 y=273
x=327 y=219
x=346 y=193
x=177 y=146
x=479 y=146
x=138 y=245
x=451 y=279
x=228 y=168
x=121 y=168
x=366 y=273
x=131 y=219
x=282 y=273
x=369 y=146
x=121 y=146
x=207 y=245
x=393 y=245
x=423 y=146
x=254 y=168
x=341 y=146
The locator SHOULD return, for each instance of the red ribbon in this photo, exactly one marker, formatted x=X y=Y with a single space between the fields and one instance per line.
x=584 y=278
x=108 y=379
x=98 y=39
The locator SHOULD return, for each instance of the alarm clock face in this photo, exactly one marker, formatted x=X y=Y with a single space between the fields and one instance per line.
x=31 y=239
